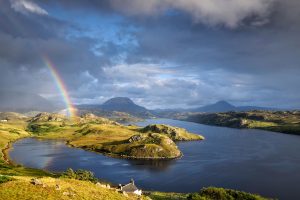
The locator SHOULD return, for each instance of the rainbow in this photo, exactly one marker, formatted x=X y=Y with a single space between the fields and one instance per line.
x=71 y=110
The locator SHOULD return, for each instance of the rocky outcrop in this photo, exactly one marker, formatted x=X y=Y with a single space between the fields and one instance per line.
x=48 y=117
x=153 y=146
x=135 y=138
x=175 y=133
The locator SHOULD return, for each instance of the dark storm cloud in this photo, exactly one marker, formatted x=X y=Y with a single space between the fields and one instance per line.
x=160 y=53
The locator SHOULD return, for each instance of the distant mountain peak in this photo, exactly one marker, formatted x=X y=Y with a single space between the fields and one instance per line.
x=119 y=100
x=125 y=104
x=222 y=102
x=220 y=106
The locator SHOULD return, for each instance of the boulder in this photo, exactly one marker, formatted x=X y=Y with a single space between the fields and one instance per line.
x=36 y=181
x=135 y=138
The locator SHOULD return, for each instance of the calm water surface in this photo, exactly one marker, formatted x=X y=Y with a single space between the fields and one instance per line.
x=251 y=160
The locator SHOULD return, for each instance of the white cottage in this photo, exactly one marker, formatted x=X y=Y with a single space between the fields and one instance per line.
x=130 y=188
x=3 y=120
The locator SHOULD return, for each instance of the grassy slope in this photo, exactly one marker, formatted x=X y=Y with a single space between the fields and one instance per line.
x=21 y=188
x=284 y=122
x=9 y=132
x=175 y=133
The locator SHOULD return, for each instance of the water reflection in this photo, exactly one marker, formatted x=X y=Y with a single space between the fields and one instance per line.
x=152 y=165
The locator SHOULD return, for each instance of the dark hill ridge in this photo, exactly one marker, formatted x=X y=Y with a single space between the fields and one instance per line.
x=120 y=104
x=220 y=106
x=224 y=106
x=126 y=105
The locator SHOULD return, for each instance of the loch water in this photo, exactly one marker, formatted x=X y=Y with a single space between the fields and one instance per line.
x=254 y=161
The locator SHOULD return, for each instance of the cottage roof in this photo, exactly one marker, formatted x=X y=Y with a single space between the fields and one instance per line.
x=130 y=187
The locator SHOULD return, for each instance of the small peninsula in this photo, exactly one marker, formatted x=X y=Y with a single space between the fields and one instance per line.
x=101 y=135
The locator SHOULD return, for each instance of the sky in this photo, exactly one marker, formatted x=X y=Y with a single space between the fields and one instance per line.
x=159 y=53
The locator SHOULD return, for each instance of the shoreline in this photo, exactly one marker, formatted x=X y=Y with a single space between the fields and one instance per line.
x=5 y=152
x=112 y=155
x=6 y=149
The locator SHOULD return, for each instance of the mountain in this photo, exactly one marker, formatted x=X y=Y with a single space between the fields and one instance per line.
x=220 y=106
x=23 y=102
x=224 y=106
x=120 y=104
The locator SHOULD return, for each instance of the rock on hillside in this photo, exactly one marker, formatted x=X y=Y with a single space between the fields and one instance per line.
x=48 y=117
x=175 y=133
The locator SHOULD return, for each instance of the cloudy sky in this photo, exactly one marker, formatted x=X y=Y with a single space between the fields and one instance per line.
x=160 y=53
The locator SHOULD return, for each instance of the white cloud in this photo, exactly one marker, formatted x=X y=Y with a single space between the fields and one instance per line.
x=25 y=6
x=230 y=13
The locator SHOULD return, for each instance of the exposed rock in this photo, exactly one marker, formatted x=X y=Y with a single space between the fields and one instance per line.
x=175 y=133
x=103 y=185
x=70 y=192
x=57 y=187
x=98 y=184
x=48 y=117
x=66 y=193
x=135 y=138
x=36 y=181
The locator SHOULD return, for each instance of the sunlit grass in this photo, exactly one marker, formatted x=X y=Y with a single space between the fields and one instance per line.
x=21 y=188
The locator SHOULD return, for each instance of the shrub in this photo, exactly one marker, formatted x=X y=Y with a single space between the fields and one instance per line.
x=79 y=174
x=212 y=193
x=196 y=196
x=42 y=128
x=4 y=179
